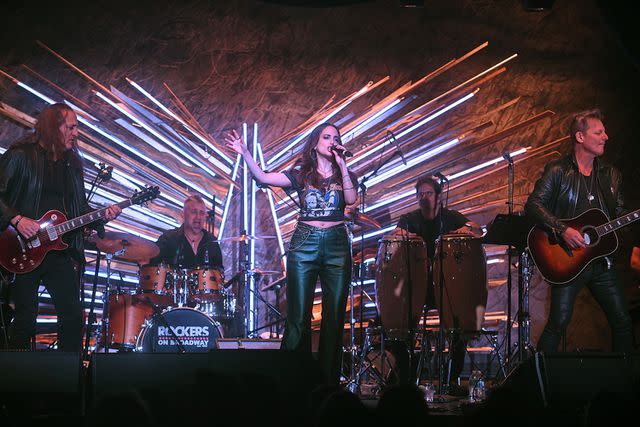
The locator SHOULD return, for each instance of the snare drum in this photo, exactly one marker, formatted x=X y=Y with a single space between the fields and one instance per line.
x=465 y=281
x=194 y=330
x=127 y=315
x=206 y=285
x=401 y=283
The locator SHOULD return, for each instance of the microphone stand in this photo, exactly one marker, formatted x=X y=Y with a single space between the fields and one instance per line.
x=356 y=371
x=100 y=178
x=91 y=315
x=509 y=160
x=441 y=283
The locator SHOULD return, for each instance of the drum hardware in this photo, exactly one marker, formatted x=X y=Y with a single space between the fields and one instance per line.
x=272 y=310
x=106 y=296
x=121 y=246
x=375 y=367
x=276 y=320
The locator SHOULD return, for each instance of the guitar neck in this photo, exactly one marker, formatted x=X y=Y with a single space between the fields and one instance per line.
x=87 y=218
x=618 y=223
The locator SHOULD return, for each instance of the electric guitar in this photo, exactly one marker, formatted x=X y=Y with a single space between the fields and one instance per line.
x=19 y=255
x=559 y=264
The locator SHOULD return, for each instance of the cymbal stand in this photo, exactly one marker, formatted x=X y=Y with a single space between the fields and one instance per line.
x=106 y=296
x=354 y=380
x=269 y=306
x=525 y=272
x=426 y=354
x=91 y=316
x=243 y=285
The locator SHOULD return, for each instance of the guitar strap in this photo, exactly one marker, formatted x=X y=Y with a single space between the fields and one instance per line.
x=609 y=200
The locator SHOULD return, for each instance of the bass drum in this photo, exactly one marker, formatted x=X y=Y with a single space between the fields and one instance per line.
x=193 y=330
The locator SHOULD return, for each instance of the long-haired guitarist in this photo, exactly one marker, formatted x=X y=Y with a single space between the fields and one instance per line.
x=38 y=173
x=567 y=188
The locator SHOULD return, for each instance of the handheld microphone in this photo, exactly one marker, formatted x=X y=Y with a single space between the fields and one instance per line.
x=343 y=151
x=398 y=150
x=441 y=176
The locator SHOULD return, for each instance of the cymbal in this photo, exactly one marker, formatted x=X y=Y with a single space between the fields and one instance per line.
x=362 y=219
x=258 y=271
x=136 y=249
x=368 y=253
x=244 y=238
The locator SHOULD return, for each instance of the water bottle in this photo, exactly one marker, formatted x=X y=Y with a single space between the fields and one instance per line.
x=474 y=379
x=480 y=391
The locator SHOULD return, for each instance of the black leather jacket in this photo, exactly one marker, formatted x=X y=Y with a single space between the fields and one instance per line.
x=555 y=194
x=22 y=171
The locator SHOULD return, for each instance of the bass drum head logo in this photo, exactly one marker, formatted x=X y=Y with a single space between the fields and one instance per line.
x=179 y=329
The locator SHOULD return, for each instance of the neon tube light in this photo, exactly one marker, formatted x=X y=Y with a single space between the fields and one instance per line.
x=227 y=201
x=118 y=141
x=413 y=127
x=274 y=214
x=156 y=134
x=175 y=116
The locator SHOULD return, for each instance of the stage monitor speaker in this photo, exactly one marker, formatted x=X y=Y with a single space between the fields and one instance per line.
x=232 y=381
x=573 y=378
x=41 y=383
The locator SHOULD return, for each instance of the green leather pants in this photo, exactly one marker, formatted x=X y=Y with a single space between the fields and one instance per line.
x=314 y=253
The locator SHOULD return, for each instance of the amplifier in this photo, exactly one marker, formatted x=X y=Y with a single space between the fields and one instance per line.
x=247 y=344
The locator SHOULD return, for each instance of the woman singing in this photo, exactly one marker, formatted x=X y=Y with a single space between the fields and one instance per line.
x=319 y=246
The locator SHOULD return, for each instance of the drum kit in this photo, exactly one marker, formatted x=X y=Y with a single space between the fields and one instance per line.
x=172 y=310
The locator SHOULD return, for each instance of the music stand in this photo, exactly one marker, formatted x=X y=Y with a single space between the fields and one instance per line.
x=512 y=230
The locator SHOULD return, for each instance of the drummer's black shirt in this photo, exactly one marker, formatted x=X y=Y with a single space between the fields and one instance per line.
x=415 y=222
x=176 y=251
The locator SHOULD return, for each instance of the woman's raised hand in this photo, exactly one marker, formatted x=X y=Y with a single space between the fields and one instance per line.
x=234 y=141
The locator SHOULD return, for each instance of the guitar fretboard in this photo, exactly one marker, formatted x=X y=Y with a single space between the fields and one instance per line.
x=85 y=219
x=618 y=223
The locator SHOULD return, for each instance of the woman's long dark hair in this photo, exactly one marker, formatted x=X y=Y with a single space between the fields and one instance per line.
x=47 y=134
x=308 y=160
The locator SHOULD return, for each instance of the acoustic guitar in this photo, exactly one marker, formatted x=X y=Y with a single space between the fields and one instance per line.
x=559 y=264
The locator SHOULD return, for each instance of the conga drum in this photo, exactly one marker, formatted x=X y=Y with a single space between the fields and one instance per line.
x=401 y=284
x=464 y=296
